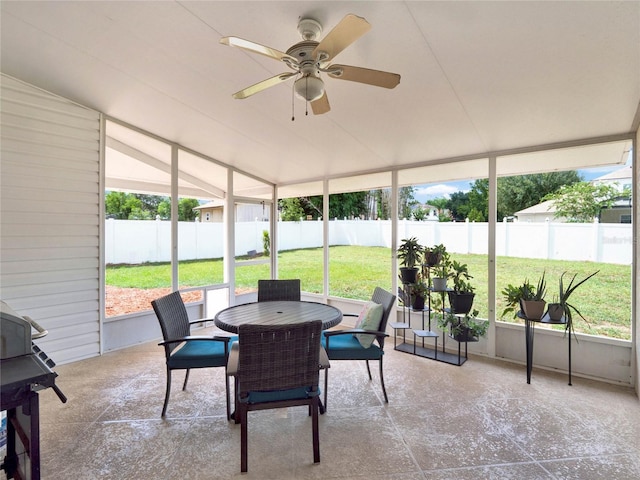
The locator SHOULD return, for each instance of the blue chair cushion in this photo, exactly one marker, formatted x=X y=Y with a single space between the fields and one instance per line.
x=279 y=395
x=347 y=347
x=200 y=354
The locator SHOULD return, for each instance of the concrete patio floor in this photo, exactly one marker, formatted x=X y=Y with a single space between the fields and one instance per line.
x=477 y=421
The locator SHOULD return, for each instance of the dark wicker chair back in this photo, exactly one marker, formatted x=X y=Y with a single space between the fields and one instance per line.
x=278 y=366
x=196 y=352
x=173 y=318
x=278 y=357
x=269 y=290
x=386 y=299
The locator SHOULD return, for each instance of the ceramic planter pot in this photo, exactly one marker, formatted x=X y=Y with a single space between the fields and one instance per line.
x=533 y=309
x=408 y=275
x=439 y=284
x=433 y=258
x=465 y=336
x=461 y=302
x=418 y=302
x=555 y=311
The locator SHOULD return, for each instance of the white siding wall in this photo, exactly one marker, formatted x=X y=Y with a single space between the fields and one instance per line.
x=50 y=217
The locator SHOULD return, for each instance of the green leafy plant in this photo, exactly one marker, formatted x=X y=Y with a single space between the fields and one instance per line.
x=459 y=273
x=420 y=288
x=442 y=269
x=564 y=293
x=433 y=255
x=514 y=294
x=537 y=293
x=467 y=327
x=266 y=242
x=410 y=252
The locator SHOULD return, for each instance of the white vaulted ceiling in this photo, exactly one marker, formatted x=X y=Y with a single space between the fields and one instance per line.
x=476 y=77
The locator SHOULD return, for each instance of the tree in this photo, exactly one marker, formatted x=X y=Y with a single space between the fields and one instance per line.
x=382 y=199
x=522 y=191
x=419 y=214
x=341 y=205
x=164 y=209
x=459 y=206
x=186 y=212
x=134 y=206
x=150 y=202
x=291 y=209
x=138 y=213
x=348 y=205
x=583 y=201
x=479 y=201
x=120 y=205
x=405 y=201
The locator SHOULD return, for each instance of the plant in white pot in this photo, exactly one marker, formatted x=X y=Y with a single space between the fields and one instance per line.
x=441 y=273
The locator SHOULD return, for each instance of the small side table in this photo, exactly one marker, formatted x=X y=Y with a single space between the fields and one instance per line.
x=529 y=330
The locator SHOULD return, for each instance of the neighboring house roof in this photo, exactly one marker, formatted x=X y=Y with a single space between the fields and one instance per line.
x=621 y=174
x=212 y=204
x=543 y=207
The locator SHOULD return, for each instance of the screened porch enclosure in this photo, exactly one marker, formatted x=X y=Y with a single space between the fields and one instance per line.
x=239 y=240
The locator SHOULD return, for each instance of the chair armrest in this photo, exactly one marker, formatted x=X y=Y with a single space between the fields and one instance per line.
x=200 y=320
x=351 y=331
x=196 y=338
x=350 y=315
x=324 y=359
x=234 y=358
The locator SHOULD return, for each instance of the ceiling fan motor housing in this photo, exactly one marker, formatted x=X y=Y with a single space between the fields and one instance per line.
x=309 y=28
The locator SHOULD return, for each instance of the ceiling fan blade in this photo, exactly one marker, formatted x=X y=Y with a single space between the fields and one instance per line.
x=377 y=78
x=256 y=48
x=321 y=105
x=263 y=85
x=350 y=28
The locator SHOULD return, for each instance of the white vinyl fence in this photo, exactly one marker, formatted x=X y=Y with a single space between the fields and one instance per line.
x=139 y=241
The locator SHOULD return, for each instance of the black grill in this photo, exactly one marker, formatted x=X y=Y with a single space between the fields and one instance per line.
x=23 y=375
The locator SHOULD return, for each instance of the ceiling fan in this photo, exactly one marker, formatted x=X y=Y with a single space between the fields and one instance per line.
x=309 y=58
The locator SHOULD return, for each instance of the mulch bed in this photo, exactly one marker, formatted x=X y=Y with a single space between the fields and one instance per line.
x=120 y=301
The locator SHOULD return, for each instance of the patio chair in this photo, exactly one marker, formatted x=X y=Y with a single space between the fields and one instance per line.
x=269 y=290
x=276 y=366
x=184 y=351
x=357 y=343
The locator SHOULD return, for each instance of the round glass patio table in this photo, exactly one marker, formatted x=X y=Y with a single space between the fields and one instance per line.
x=277 y=313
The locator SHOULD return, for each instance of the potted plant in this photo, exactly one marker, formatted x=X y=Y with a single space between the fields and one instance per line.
x=564 y=293
x=555 y=310
x=409 y=253
x=462 y=294
x=441 y=273
x=512 y=295
x=532 y=301
x=433 y=255
x=467 y=328
x=419 y=292
x=516 y=295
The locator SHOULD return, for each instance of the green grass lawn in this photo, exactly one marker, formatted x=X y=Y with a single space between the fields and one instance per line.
x=605 y=300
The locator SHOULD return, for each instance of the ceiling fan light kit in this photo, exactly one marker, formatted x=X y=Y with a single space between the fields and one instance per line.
x=309 y=58
x=309 y=88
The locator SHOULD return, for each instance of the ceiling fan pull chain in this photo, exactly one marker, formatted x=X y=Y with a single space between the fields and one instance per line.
x=306 y=89
x=293 y=104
